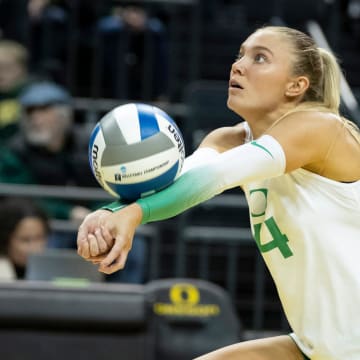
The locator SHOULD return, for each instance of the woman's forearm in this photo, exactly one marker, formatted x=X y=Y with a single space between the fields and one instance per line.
x=254 y=161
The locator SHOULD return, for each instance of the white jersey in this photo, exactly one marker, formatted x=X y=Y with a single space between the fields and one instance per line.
x=308 y=230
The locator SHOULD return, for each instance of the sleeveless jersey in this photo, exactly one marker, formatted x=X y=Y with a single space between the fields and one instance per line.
x=307 y=228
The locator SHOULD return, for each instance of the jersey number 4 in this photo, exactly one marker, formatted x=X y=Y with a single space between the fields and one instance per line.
x=279 y=240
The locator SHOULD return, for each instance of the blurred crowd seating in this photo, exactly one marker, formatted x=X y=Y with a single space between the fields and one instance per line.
x=69 y=41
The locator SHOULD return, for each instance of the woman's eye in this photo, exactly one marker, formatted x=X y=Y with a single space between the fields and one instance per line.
x=260 y=58
x=239 y=57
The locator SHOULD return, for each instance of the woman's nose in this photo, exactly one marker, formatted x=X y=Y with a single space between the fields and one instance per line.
x=238 y=66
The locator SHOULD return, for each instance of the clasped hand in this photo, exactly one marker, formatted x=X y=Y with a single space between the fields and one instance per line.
x=105 y=238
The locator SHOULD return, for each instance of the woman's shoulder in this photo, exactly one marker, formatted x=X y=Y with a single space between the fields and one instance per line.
x=309 y=122
x=319 y=142
x=306 y=136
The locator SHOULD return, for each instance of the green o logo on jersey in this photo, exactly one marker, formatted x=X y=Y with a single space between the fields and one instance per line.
x=258 y=201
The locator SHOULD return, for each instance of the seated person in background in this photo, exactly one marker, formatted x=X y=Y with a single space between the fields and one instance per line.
x=24 y=230
x=50 y=149
x=13 y=79
x=124 y=35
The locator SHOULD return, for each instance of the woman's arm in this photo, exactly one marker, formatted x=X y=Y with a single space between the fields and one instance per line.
x=256 y=160
x=215 y=142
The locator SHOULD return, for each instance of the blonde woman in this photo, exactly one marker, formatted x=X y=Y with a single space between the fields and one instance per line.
x=298 y=162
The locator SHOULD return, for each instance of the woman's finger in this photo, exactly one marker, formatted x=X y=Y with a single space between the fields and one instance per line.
x=107 y=235
x=93 y=244
x=117 y=264
x=96 y=259
x=112 y=256
x=84 y=249
x=102 y=244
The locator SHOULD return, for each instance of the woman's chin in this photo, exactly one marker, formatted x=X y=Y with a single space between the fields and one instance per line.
x=234 y=106
x=231 y=103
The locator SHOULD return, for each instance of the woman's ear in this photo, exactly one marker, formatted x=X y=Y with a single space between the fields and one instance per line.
x=297 y=86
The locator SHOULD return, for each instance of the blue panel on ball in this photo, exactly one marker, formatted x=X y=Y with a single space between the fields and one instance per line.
x=147 y=120
x=91 y=142
x=134 y=191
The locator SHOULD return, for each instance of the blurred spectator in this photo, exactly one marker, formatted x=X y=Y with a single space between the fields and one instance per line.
x=48 y=22
x=36 y=8
x=24 y=230
x=61 y=41
x=134 y=49
x=50 y=149
x=13 y=79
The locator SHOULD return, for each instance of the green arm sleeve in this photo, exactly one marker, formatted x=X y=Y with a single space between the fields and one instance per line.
x=190 y=189
x=258 y=160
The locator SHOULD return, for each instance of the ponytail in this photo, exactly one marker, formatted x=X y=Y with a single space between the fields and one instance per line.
x=331 y=80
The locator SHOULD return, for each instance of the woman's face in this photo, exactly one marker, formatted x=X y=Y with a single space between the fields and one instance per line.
x=29 y=237
x=259 y=76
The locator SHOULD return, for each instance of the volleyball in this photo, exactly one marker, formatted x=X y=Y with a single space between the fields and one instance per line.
x=136 y=150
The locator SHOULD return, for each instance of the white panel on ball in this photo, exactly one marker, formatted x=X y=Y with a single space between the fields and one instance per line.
x=127 y=118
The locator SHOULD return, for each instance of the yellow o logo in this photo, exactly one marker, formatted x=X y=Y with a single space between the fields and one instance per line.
x=184 y=294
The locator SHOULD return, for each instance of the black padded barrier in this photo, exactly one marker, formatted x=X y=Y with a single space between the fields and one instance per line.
x=43 y=321
x=175 y=319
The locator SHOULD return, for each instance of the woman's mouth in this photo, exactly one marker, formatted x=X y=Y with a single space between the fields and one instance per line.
x=234 y=84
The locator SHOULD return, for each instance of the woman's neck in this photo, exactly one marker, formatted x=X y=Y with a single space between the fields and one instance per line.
x=261 y=123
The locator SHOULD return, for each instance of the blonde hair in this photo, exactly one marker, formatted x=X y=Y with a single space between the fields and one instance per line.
x=319 y=65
